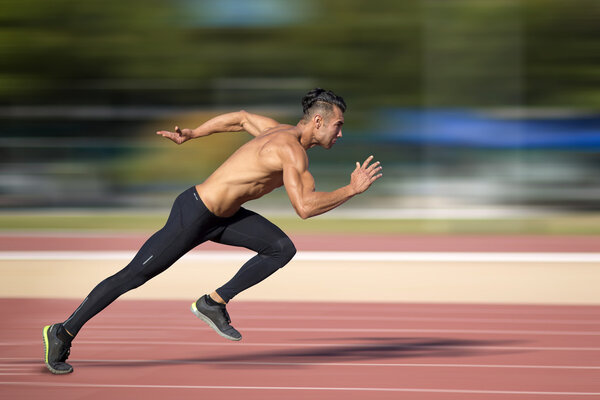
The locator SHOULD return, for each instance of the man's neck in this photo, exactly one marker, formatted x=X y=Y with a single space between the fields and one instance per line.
x=305 y=136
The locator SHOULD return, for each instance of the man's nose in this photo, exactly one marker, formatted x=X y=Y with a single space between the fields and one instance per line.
x=339 y=134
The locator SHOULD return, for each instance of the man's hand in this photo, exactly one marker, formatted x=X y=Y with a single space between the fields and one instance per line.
x=364 y=175
x=179 y=136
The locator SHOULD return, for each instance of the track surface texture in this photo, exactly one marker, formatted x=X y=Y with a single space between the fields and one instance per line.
x=309 y=350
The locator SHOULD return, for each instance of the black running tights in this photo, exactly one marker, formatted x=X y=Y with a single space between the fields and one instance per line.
x=189 y=224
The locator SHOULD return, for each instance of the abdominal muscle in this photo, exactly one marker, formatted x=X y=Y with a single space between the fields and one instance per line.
x=224 y=199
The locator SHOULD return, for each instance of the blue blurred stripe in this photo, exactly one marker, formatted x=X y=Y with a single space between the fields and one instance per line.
x=473 y=129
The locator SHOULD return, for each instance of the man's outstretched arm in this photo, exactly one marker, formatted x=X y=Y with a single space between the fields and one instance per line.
x=300 y=186
x=231 y=122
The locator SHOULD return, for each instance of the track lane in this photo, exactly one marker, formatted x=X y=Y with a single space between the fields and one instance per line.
x=187 y=360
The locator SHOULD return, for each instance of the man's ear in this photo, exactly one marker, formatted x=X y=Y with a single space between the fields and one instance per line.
x=318 y=120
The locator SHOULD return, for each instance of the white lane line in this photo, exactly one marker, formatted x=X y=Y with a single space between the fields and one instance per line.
x=515 y=321
x=304 y=345
x=303 y=388
x=367 y=330
x=454 y=308
x=475 y=331
x=370 y=256
x=421 y=319
x=17 y=373
x=393 y=313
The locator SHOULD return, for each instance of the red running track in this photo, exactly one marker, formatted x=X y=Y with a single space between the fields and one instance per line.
x=319 y=242
x=152 y=350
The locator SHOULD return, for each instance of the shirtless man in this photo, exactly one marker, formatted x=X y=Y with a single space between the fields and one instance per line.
x=212 y=211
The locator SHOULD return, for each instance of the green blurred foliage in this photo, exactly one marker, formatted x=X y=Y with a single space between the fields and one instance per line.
x=375 y=53
x=567 y=224
x=167 y=161
x=561 y=47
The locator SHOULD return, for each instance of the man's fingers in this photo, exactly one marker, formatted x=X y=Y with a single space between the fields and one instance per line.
x=374 y=178
x=170 y=135
x=374 y=171
x=373 y=166
x=367 y=161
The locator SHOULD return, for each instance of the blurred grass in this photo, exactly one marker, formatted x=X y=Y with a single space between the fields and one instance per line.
x=584 y=224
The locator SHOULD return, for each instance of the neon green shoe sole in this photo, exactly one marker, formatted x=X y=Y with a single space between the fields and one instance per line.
x=55 y=352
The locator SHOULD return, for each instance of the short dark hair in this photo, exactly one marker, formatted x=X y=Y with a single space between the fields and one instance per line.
x=325 y=99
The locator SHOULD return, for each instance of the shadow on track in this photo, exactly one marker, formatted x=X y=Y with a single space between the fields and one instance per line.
x=373 y=350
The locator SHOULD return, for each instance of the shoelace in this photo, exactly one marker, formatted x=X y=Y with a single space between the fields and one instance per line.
x=226 y=315
x=66 y=351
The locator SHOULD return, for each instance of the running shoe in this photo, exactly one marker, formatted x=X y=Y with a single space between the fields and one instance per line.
x=216 y=317
x=56 y=351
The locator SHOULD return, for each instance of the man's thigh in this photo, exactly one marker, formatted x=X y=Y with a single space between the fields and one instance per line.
x=250 y=230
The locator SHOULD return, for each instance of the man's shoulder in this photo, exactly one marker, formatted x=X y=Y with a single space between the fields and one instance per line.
x=283 y=135
x=281 y=129
x=284 y=142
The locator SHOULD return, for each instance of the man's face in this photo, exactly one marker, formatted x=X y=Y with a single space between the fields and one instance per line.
x=330 y=128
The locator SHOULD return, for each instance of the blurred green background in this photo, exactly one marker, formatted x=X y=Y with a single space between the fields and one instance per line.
x=479 y=110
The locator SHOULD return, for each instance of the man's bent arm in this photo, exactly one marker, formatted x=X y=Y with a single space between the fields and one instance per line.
x=242 y=120
x=300 y=186
x=309 y=203
x=231 y=122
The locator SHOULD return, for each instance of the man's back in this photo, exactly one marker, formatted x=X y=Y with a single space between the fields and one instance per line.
x=252 y=171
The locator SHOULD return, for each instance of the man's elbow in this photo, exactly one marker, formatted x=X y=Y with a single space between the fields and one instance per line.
x=242 y=117
x=304 y=215
x=303 y=212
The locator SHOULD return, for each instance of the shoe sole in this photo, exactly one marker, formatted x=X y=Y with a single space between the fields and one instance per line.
x=211 y=324
x=46 y=348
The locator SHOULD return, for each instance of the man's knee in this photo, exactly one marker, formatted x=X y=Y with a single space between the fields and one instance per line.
x=285 y=250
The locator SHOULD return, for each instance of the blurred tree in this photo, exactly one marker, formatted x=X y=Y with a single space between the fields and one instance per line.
x=375 y=53
x=562 y=53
